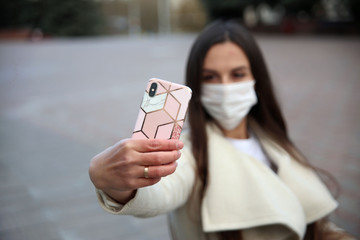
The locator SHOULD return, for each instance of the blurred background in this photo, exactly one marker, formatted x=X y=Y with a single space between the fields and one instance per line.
x=72 y=74
x=54 y=18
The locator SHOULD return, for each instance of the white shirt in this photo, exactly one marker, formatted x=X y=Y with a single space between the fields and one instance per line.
x=251 y=147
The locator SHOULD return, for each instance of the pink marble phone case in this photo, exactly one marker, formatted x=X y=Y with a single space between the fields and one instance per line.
x=163 y=115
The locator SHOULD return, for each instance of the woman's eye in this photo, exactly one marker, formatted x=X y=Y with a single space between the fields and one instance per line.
x=239 y=75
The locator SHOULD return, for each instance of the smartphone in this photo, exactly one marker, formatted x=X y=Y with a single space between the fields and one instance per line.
x=162 y=111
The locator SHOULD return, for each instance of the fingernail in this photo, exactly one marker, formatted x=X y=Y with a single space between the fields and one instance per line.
x=179 y=154
x=179 y=145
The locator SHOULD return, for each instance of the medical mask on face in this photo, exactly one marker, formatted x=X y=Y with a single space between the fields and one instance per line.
x=228 y=104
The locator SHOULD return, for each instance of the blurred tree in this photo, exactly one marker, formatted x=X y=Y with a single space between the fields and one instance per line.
x=231 y=8
x=69 y=17
x=53 y=17
x=190 y=16
x=16 y=14
x=295 y=6
x=354 y=6
x=225 y=9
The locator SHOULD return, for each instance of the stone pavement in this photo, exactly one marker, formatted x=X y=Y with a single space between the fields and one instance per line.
x=62 y=101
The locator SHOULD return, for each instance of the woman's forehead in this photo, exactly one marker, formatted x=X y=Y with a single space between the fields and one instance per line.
x=226 y=54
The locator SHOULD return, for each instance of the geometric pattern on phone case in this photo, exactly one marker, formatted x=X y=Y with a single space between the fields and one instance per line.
x=163 y=115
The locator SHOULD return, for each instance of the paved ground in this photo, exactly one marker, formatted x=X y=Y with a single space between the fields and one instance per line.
x=63 y=101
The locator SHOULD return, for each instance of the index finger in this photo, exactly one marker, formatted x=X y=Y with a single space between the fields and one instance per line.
x=151 y=145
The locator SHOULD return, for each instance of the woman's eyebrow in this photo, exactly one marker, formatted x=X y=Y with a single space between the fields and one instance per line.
x=209 y=70
x=240 y=68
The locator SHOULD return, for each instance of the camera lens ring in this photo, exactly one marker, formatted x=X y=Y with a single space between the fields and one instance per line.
x=152 y=90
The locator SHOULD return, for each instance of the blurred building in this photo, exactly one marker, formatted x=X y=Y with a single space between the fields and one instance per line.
x=292 y=16
x=152 y=16
x=36 y=19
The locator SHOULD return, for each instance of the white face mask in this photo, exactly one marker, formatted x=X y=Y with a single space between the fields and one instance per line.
x=228 y=104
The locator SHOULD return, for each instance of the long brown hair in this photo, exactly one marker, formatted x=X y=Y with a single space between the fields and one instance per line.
x=266 y=113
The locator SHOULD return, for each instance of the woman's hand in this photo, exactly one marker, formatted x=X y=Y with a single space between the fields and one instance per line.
x=120 y=170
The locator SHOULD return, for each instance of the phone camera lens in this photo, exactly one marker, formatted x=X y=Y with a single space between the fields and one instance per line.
x=153 y=88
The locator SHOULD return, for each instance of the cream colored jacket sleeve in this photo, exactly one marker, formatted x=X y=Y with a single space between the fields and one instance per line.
x=168 y=194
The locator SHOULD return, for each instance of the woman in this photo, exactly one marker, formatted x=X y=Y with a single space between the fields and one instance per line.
x=238 y=176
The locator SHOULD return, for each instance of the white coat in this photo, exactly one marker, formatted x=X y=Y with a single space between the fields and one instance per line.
x=242 y=193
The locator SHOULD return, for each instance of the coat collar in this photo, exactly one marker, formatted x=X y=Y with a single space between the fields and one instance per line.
x=244 y=193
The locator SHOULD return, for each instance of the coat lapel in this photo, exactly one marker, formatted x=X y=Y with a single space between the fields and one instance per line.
x=244 y=193
x=311 y=192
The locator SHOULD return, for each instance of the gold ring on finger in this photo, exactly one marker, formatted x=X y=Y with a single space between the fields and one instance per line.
x=146 y=172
